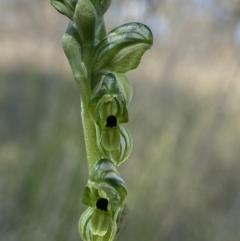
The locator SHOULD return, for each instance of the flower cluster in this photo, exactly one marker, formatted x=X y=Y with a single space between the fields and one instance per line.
x=99 y=61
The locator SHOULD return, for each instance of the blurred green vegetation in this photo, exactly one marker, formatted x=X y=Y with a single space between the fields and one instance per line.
x=182 y=177
x=184 y=172
x=43 y=168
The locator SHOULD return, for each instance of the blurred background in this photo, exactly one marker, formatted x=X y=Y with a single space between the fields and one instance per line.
x=183 y=176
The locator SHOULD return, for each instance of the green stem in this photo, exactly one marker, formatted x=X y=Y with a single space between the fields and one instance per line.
x=93 y=154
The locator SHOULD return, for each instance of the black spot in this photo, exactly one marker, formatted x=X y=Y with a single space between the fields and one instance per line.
x=102 y=204
x=111 y=121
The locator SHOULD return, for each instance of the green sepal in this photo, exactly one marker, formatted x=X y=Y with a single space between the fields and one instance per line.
x=122 y=49
x=109 y=85
x=73 y=50
x=85 y=17
x=108 y=101
x=100 y=222
x=65 y=7
x=111 y=106
x=90 y=196
x=108 y=150
x=106 y=106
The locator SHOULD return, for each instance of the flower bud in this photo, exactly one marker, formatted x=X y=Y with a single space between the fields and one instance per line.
x=73 y=50
x=101 y=6
x=85 y=17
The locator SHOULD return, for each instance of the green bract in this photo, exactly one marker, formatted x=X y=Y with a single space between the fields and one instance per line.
x=65 y=7
x=122 y=49
x=85 y=17
x=73 y=50
x=101 y=6
x=105 y=194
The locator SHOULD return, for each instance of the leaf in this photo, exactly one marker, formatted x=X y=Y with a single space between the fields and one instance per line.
x=122 y=49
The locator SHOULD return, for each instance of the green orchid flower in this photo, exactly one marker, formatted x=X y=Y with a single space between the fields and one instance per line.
x=108 y=101
x=105 y=194
x=109 y=111
x=105 y=182
x=99 y=62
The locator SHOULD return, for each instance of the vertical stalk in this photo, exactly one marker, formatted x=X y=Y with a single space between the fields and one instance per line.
x=93 y=154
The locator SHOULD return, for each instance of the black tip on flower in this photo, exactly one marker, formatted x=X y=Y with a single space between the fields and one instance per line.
x=111 y=121
x=102 y=204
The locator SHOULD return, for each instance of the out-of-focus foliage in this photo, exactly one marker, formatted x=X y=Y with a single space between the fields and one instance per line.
x=184 y=172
